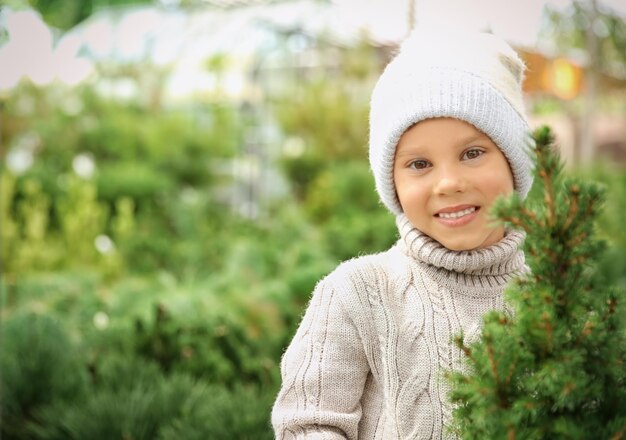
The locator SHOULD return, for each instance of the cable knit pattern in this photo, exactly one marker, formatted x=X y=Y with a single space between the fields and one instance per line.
x=367 y=359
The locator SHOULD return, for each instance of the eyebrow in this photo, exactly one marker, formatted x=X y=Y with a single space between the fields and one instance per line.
x=411 y=150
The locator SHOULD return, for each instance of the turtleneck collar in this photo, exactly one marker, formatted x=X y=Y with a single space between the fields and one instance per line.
x=502 y=260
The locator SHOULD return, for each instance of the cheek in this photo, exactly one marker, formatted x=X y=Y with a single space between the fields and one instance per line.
x=401 y=186
x=508 y=182
x=499 y=183
x=410 y=195
x=505 y=176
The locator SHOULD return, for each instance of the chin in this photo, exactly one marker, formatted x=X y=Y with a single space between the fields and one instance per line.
x=460 y=246
x=470 y=243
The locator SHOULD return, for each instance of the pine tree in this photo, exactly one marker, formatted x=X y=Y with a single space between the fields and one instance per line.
x=556 y=369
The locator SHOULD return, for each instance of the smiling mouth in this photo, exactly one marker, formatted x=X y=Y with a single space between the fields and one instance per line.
x=458 y=214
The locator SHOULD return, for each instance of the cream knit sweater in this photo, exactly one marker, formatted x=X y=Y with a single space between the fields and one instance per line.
x=367 y=359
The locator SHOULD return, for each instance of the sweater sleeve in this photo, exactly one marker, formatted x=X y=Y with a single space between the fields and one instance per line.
x=323 y=374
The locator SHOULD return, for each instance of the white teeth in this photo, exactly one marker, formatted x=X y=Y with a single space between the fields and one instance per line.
x=457 y=214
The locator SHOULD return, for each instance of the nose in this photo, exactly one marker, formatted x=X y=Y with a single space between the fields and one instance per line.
x=449 y=180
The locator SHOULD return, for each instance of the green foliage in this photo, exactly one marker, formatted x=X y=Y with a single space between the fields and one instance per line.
x=341 y=188
x=139 y=182
x=146 y=162
x=612 y=263
x=217 y=349
x=568 y=28
x=33 y=242
x=329 y=115
x=64 y=14
x=39 y=365
x=24 y=227
x=331 y=176
x=214 y=412
x=358 y=233
x=331 y=119
x=51 y=392
x=82 y=218
x=557 y=368
x=343 y=200
x=301 y=171
x=132 y=398
x=127 y=399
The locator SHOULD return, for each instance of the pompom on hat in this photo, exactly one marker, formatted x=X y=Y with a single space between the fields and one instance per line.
x=474 y=77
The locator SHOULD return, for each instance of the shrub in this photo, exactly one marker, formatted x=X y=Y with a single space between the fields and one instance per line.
x=343 y=201
x=39 y=366
x=133 y=398
x=218 y=349
x=215 y=412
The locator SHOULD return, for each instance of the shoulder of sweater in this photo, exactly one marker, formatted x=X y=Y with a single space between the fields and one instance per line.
x=390 y=268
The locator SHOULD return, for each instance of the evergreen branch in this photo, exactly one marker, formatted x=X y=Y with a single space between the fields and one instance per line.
x=581 y=259
x=589 y=210
x=620 y=434
x=529 y=216
x=586 y=331
x=492 y=361
x=548 y=197
x=553 y=256
x=462 y=346
x=545 y=318
x=510 y=435
x=515 y=221
x=532 y=216
x=569 y=387
x=577 y=240
x=496 y=376
x=510 y=375
x=612 y=303
x=573 y=207
x=544 y=160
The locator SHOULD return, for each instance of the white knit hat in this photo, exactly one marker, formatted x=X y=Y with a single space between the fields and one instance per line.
x=474 y=77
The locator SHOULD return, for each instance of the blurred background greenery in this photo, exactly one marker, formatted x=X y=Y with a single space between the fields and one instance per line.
x=177 y=176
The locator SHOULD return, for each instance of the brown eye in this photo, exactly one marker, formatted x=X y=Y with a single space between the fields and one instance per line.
x=419 y=164
x=472 y=153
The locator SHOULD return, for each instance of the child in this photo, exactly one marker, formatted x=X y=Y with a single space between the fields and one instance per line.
x=448 y=136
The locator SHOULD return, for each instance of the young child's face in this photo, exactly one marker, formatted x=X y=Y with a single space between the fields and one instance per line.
x=447 y=175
